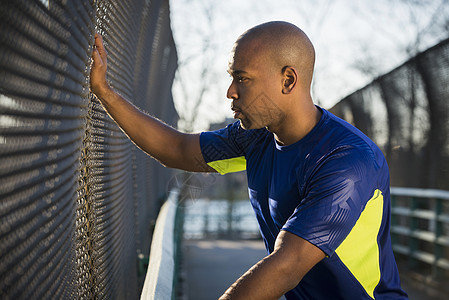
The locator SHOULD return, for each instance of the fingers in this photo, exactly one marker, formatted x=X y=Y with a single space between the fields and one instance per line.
x=97 y=60
x=98 y=70
x=99 y=47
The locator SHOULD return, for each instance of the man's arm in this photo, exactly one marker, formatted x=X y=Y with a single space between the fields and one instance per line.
x=277 y=273
x=169 y=146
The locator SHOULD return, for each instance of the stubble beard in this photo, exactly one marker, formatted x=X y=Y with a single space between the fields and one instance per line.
x=245 y=124
x=260 y=112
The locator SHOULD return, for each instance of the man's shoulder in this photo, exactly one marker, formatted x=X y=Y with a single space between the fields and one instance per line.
x=348 y=132
x=339 y=143
x=343 y=134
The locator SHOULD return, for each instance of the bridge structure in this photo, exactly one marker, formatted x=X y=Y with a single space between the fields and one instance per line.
x=79 y=202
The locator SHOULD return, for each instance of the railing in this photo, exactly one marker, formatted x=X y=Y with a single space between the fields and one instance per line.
x=420 y=227
x=161 y=276
x=214 y=219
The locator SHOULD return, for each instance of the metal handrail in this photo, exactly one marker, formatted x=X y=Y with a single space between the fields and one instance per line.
x=424 y=193
x=160 y=277
x=419 y=217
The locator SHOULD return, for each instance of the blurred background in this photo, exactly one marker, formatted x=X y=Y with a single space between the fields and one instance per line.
x=355 y=42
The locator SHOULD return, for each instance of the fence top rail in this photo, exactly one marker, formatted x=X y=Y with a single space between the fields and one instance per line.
x=422 y=193
x=161 y=269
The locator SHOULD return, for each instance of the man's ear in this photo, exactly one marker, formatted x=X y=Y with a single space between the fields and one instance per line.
x=290 y=79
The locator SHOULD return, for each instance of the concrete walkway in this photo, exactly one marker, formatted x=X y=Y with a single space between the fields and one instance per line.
x=209 y=267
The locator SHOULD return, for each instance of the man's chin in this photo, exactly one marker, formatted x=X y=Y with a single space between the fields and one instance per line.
x=242 y=126
x=246 y=125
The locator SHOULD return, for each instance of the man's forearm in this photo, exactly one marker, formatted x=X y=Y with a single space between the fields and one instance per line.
x=279 y=272
x=150 y=134
x=268 y=279
x=139 y=126
x=171 y=147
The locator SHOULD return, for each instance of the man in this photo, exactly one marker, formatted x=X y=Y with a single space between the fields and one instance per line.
x=319 y=187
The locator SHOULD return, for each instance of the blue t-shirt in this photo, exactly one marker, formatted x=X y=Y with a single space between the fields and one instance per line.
x=331 y=188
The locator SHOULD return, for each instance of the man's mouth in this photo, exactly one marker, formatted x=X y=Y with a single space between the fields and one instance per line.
x=237 y=111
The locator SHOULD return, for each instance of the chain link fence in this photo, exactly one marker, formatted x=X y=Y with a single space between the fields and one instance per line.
x=77 y=198
x=406 y=112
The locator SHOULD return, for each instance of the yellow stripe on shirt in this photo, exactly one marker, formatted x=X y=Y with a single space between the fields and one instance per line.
x=229 y=165
x=360 y=251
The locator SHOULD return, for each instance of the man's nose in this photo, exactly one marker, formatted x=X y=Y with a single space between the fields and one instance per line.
x=232 y=91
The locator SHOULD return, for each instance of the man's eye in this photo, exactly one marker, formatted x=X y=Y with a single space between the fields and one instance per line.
x=241 y=79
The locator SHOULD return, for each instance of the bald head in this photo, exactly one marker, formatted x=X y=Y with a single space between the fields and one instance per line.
x=280 y=44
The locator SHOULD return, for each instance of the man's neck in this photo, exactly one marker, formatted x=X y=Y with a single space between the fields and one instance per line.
x=297 y=127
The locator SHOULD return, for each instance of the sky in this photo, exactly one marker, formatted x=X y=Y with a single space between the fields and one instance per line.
x=355 y=41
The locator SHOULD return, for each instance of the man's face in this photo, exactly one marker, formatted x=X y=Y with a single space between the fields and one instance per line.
x=254 y=88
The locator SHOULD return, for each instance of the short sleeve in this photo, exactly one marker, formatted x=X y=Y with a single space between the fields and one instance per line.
x=224 y=149
x=335 y=196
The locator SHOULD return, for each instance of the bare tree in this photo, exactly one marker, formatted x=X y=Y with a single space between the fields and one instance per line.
x=425 y=21
x=201 y=50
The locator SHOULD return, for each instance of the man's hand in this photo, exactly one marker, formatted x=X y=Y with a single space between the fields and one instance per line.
x=277 y=273
x=98 y=84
